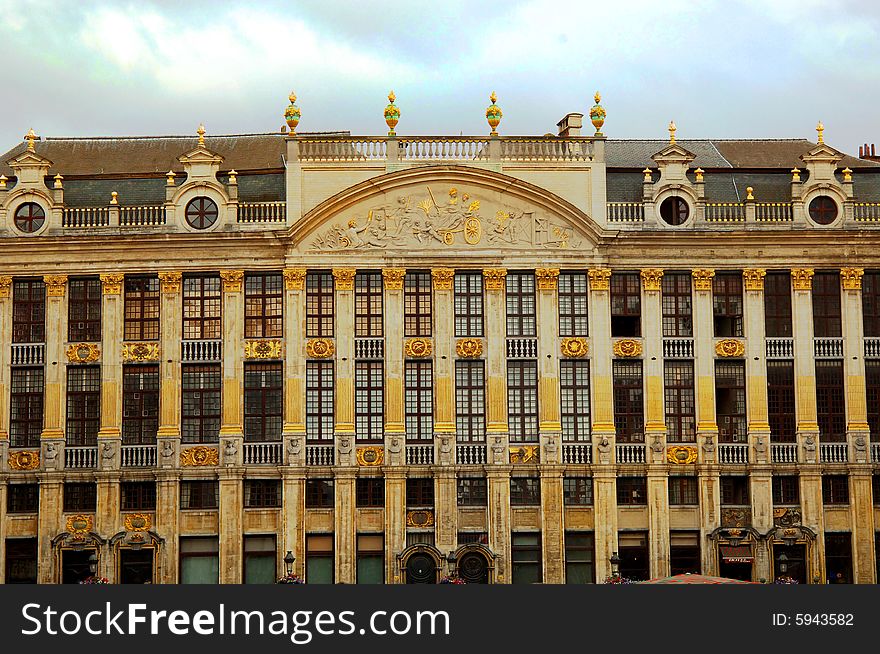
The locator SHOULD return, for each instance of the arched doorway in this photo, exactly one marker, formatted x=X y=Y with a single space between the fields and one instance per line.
x=136 y=552
x=735 y=550
x=74 y=549
x=474 y=563
x=791 y=551
x=420 y=564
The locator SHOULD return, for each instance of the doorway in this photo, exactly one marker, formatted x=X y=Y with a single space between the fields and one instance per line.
x=421 y=569
x=473 y=568
x=75 y=565
x=136 y=566
x=790 y=561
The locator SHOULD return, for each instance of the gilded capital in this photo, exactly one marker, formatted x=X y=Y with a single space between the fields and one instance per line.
x=494 y=278
x=393 y=278
x=5 y=285
x=702 y=278
x=111 y=283
x=802 y=279
x=55 y=285
x=344 y=278
x=443 y=278
x=294 y=279
x=851 y=278
x=600 y=279
x=548 y=278
x=651 y=278
x=170 y=281
x=233 y=280
x=753 y=279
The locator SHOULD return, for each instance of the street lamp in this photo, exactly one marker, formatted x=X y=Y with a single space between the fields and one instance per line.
x=783 y=563
x=289 y=558
x=93 y=563
x=615 y=564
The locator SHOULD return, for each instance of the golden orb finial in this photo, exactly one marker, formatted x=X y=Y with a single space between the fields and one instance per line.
x=30 y=137
x=672 y=129
x=820 y=129
x=493 y=114
x=749 y=191
x=392 y=114
x=292 y=114
x=597 y=114
x=201 y=132
x=114 y=197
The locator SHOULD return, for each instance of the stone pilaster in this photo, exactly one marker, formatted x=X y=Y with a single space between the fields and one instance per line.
x=552 y=530
x=345 y=528
x=548 y=365
x=49 y=523
x=230 y=518
x=231 y=427
x=112 y=313
x=294 y=428
x=445 y=509
x=498 y=481
x=167 y=524
x=108 y=520
x=858 y=433
x=171 y=317
x=5 y=357
x=2 y=522
x=392 y=316
x=862 y=520
x=54 y=395
x=344 y=331
x=293 y=517
x=496 y=363
x=444 y=364
x=395 y=522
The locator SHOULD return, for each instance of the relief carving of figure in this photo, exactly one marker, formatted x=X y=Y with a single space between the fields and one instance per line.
x=167 y=449
x=604 y=447
x=230 y=448
x=810 y=448
x=445 y=450
x=294 y=446
x=395 y=445
x=498 y=450
x=550 y=450
x=107 y=452
x=51 y=454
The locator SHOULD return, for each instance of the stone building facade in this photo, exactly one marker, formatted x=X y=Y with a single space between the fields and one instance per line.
x=514 y=359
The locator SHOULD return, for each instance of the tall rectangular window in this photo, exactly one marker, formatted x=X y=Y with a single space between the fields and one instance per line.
x=780 y=401
x=626 y=304
x=526 y=558
x=262 y=493
x=370 y=492
x=200 y=403
x=263 y=305
x=777 y=305
x=419 y=492
x=468 y=304
x=260 y=559
x=419 y=400
x=579 y=554
x=827 y=321
x=472 y=491
x=573 y=302
x=871 y=304
x=835 y=489
x=141 y=308
x=140 y=404
x=730 y=401
x=84 y=310
x=263 y=401
x=678 y=389
x=577 y=491
x=80 y=496
x=199 y=494
x=525 y=491
x=727 y=304
x=678 y=318
x=522 y=401
x=29 y=311
x=26 y=407
x=83 y=405
x=683 y=491
x=629 y=416
x=574 y=386
x=320 y=494
x=369 y=401
x=319 y=559
x=21 y=561
x=319 y=304
x=830 y=403
x=371 y=558
x=872 y=388
x=199 y=560
x=470 y=401
x=735 y=490
x=368 y=304
x=786 y=490
x=417 y=303
x=319 y=400
x=521 y=304
x=632 y=491
x=201 y=307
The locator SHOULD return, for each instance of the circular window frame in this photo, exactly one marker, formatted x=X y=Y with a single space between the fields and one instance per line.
x=824 y=194
x=680 y=200
x=683 y=194
x=13 y=216
x=203 y=199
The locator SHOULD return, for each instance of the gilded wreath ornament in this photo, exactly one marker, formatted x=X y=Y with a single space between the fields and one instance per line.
x=627 y=348
x=24 y=460
x=83 y=352
x=682 y=454
x=200 y=456
x=574 y=347
x=418 y=347
x=730 y=347
x=140 y=351
x=420 y=518
x=371 y=455
x=263 y=349
x=79 y=524
x=469 y=348
x=137 y=522
x=320 y=348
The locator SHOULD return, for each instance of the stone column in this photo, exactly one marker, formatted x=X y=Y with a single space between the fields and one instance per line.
x=444 y=365
x=395 y=526
x=168 y=524
x=496 y=364
x=498 y=481
x=170 y=314
x=5 y=360
x=294 y=428
x=344 y=331
x=54 y=393
x=231 y=427
x=112 y=333
x=392 y=316
x=604 y=472
x=293 y=517
x=230 y=518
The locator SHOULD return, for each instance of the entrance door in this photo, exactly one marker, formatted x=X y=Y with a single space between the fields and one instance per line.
x=790 y=561
x=75 y=565
x=473 y=568
x=421 y=569
x=136 y=566
x=734 y=570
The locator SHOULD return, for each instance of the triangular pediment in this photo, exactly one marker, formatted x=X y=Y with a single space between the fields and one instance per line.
x=674 y=153
x=28 y=159
x=200 y=155
x=822 y=153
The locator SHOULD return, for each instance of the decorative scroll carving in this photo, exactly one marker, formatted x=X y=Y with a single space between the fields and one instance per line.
x=79 y=525
x=443 y=278
x=469 y=348
x=787 y=517
x=263 y=349
x=232 y=280
x=736 y=517
x=730 y=347
x=138 y=522
x=753 y=279
x=83 y=352
x=802 y=279
x=418 y=347
x=682 y=454
x=295 y=279
x=494 y=278
x=703 y=279
x=170 y=281
x=24 y=460
x=344 y=278
x=371 y=455
x=651 y=278
x=600 y=279
x=851 y=278
x=55 y=285
x=320 y=348
x=111 y=283
x=548 y=278
x=5 y=285
x=575 y=347
x=140 y=351
x=393 y=278
x=627 y=348
x=525 y=454
x=200 y=456
x=420 y=518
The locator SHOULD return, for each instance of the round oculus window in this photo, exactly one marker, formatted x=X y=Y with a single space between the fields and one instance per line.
x=674 y=211
x=29 y=217
x=201 y=213
x=823 y=210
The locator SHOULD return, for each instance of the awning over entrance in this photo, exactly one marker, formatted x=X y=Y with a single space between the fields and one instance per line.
x=736 y=553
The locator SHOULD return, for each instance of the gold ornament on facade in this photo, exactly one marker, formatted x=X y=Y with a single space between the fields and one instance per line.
x=698 y=174
x=672 y=129
x=5 y=285
x=493 y=114
x=393 y=278
x=30 y=137
x=442 y=277
x=749 y=193
x=847 y=174
x=597 y=114
x=795 y=174
x=170 y=281
x=344 y=278
x=627 y=348
x=371 y=455
x=392 y=114
x=682 y=454
x=420 y=518
x=140 y=352
x=59 y=181
x=83 y=352
x=802 y=279
x=851 y=278
x=232 y=280
x=646 y=176
x=55 y=285
x=294 y=279
x=79 y=524
x=600 y=279
x=469 y=348
x=753 y=279
x=138 y=522
x=24 y=460
x=548 y=278
x=320 y=348
x=651 y=278
x=494 y=278
x=201 y=132
x=702 y=279
x=200 y=456
x=730 y=347
x=574 y=347
x=111 y=283
x=263 y=349
x=820 y=131
x=292 y=114
x=525 y=454
x=418 y=347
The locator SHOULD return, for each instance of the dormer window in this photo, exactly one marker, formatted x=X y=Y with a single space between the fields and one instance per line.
x=201 y=213
x=29 y=217
x=823 y=210
x=674 y=211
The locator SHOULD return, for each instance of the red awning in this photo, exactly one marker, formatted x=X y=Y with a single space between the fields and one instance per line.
x=736 y=554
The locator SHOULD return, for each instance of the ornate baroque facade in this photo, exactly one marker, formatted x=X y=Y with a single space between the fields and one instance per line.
x=507 y=358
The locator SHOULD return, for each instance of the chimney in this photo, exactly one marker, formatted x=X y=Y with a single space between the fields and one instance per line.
x=868 y=152
x=571 y=125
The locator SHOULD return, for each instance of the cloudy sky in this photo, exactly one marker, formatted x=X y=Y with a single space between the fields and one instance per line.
x=719 y=68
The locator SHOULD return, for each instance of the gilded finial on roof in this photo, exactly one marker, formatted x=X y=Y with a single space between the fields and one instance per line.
x=749 y=191
x=292 y=113
x=30 y=137
x=233 y=177
x=3 y=179
x=392 y=114
x=169 y=178
x=672 y=129
x=58 y=181
x=493 y=114
x=597 y=114
x=647 y=173
x=699 y=173
x=114 y=197
x=201 y=132
x=795 y=174
x=820 y=128
x=847 y=174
